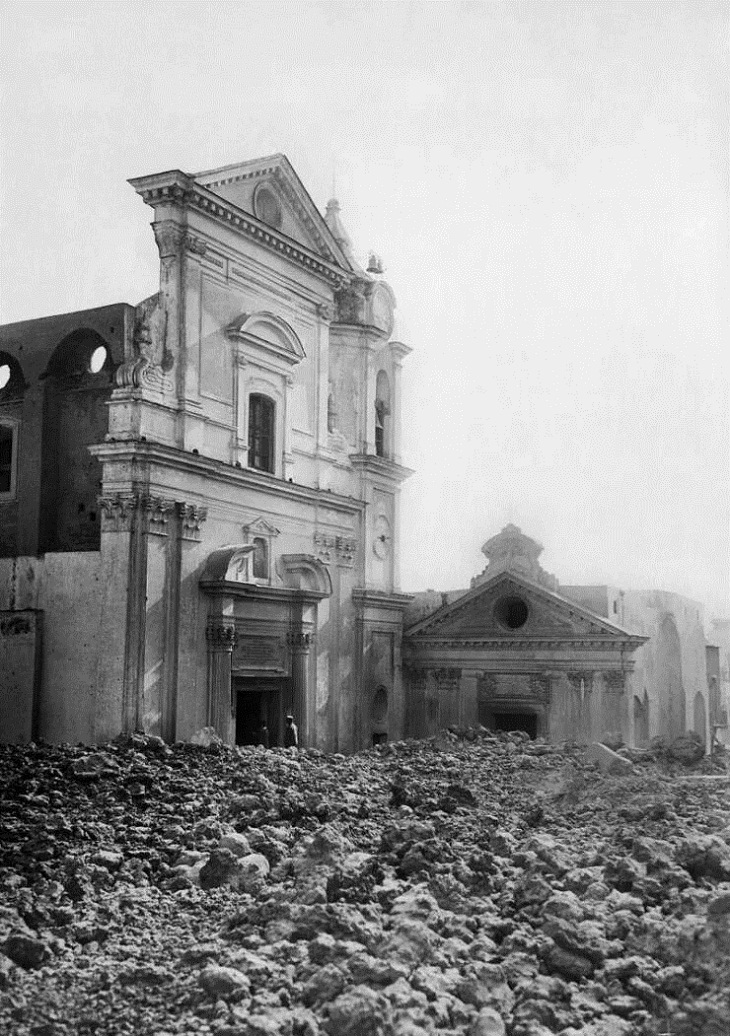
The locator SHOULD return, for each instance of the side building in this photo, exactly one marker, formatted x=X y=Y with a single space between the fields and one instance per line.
x=199 y=494
x=518 y=650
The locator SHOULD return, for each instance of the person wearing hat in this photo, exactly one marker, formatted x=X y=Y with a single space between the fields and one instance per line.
x=291 y=734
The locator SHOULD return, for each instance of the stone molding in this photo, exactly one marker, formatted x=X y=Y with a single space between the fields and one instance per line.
x=343 y=548
x=221 y=635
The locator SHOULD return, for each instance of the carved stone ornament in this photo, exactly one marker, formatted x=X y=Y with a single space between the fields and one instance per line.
x=150 y=363
x=416 y=676
x=325 y=311
x=117 y=511
x=221 y=635
x=191 y=517
x=170 y=238
x=299 y=641
x=340 y=548
x=157 y=511
x=350 y=304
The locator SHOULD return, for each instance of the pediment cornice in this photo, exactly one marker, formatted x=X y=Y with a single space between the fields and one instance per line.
x=179 y=189
x=555 y=622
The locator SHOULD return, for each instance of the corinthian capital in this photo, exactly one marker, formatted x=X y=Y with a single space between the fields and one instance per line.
x=170 y=237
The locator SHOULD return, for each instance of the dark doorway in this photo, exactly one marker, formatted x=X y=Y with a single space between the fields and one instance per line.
x=258 y=700
x=526 y=721
x=250 y=713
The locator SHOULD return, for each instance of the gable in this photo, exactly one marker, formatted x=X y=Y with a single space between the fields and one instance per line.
x=509 y=607
x=269 y=189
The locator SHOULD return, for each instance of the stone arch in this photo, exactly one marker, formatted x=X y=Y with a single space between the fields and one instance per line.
x=78 y=383
x=672 y=717
x=700 y=716
x=304 y=572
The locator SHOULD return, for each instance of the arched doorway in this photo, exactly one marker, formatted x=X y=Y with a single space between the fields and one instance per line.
x=641 y=720
x=672 y=719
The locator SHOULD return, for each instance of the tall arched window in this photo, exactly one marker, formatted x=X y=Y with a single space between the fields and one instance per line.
x=382 y=415
x=78 y=383
x=261 y=413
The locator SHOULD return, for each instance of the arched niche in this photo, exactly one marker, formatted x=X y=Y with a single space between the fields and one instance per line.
x=304 y=572
x=78 y=383
x=672 y=711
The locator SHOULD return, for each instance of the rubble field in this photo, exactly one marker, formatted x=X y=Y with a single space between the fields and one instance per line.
x=474 y=884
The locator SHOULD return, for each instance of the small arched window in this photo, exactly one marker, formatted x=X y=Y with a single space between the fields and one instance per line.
x=260 y=558
x=382 y=415
x=261 y=412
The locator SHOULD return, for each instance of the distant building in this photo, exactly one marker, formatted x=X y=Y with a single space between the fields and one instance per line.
x=199 y=494
x=520 y=651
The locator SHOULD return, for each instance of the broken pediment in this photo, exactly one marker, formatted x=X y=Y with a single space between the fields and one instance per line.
x=510 y=607
x=269 y=189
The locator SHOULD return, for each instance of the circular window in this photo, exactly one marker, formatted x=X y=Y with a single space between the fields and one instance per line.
x=267 y=207
x=511 y=612
x=98 y=359
x=4 y=374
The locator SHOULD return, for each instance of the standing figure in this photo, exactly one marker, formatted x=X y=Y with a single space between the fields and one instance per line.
x=291 y=734
x=264 y=734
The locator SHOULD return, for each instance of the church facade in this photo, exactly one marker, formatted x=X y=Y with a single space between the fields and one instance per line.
x=582 y=663
x=199 y=494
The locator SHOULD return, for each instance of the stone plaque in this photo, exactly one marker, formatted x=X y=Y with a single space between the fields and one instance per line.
x=259 y=653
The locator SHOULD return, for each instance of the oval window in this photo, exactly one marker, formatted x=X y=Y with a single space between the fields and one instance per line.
x=4 y=375
x=98 y=359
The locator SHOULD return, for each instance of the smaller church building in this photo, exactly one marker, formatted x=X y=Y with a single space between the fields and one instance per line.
x=519 y=651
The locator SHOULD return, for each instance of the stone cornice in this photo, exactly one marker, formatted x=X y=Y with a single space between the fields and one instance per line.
x=527 y=644
x=380 y=466
x=178 y=188
x=259 y=592
x=380 y=599
x=149 y=453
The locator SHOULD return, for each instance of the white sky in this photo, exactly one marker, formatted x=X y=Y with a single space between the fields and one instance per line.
x=547 y=183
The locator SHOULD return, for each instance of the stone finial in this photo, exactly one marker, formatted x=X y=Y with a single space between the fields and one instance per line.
x=333 y=221
x=512 y=551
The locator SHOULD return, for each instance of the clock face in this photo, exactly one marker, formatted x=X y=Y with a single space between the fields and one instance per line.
x=382 y=537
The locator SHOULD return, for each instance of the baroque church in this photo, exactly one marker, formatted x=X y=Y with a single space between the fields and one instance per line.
x=199 y=517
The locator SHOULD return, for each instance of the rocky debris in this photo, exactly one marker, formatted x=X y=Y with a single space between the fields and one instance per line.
x=471 y=885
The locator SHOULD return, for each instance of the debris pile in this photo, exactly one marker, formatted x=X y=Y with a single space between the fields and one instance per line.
x=487 y=886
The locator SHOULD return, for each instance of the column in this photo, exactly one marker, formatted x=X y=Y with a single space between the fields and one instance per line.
x=221 y=637
x=468 y=702
x=615 y=721
x=299 y=645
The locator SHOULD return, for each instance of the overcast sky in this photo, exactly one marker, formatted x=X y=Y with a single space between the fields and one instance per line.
x=547 y=184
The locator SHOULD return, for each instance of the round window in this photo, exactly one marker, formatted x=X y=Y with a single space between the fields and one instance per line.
x=511 y=612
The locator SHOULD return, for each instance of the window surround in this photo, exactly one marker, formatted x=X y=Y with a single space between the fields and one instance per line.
x=266 y=351
x=259 y=529
x=14 y=426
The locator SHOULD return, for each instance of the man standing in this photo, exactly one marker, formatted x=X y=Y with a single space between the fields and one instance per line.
x=291 y=734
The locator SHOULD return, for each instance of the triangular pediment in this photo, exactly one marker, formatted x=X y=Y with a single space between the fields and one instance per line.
x=270 y=190
x=509 y=607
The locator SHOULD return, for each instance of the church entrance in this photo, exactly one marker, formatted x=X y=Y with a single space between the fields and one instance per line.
x=526 y=721
x=258 y=701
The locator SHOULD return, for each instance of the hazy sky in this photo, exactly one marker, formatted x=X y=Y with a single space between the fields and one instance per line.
x=547 y=184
